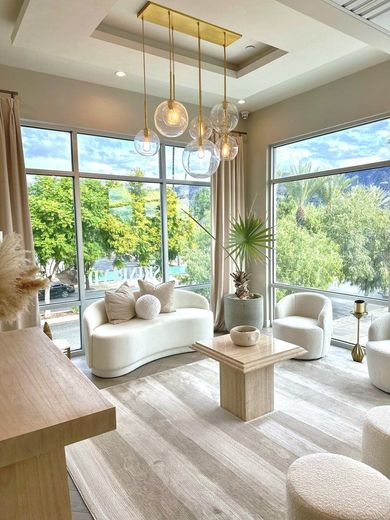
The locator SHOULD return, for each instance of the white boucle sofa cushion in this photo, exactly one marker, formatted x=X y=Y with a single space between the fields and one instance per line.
x=120 y=304
x=147 y=307
x=164 y=292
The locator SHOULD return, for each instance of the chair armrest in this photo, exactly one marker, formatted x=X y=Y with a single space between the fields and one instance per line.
x=185 y=298
x=325 y=317
x=380 y=329
x=285 y=307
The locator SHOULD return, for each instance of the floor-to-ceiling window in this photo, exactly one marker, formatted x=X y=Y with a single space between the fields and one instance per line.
x=331 y=213
x=102 y=214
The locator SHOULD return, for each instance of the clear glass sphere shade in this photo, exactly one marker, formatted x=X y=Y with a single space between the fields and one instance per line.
x=224 y=118
x=146 y=142
x=171 y=118
x=200 y=158
x=227 y=147
x=205 y=128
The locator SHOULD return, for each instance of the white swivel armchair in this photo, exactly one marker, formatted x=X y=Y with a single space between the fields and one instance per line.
x=378 y=353
x=305 y=319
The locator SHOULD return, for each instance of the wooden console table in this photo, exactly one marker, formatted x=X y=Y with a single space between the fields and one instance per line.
x=45 y=404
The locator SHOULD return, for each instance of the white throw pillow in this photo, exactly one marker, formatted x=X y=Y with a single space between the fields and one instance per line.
x=147 y=307
x=164 y=292
x=120 y=304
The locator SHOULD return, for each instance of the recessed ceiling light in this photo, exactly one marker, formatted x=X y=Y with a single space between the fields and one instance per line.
x=120 y=73
x=249 y=47
x=241 y=101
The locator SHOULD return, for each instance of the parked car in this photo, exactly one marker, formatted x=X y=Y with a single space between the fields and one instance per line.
x=57 y=290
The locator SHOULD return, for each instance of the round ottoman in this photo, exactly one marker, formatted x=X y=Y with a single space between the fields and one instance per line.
x=325 y=486
x=378 y=363
x=376 y=439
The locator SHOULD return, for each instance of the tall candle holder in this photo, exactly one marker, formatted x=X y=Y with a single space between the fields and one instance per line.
x=359 y=310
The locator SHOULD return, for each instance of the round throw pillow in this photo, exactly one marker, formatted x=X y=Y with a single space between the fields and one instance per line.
x=147 y=307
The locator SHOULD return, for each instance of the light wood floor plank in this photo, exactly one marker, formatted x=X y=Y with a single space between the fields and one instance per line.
x=177 y=455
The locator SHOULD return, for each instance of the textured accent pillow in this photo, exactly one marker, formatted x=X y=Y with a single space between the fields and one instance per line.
x=120 y=304
x=147 y=307
x=163 y=292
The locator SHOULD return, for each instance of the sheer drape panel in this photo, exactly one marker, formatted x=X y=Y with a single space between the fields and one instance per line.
x=228 y=202
x=14 y=212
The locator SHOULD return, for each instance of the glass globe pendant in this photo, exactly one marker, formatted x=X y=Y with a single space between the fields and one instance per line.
x=201 y=128
x=224 y=116
x=146 y=142
x=200 y=156
x=171 y=117
x=227 y=147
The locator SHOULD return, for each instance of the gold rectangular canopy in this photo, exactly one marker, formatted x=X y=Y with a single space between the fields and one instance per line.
x=186 y=24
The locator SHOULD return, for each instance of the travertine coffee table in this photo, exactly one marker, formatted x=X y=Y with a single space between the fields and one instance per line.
x=247 y=373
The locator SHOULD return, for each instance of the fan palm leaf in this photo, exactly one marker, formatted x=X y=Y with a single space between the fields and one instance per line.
x=248 y=238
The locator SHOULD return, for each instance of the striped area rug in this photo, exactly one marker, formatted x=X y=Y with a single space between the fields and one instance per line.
x=177 y=455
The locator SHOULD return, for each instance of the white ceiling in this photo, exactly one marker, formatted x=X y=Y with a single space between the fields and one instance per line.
x=299 y=44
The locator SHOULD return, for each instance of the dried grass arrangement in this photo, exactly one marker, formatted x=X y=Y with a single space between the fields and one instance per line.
x=18 y=278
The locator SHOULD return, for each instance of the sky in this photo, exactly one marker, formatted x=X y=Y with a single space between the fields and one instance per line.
x=51 y=150
x=362 y=144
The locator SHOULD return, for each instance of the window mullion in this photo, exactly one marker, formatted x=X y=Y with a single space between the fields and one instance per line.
x=79 y=231
x=164 y=216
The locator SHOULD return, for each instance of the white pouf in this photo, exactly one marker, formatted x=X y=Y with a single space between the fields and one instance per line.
x=325 y=486
x=378 y=363
x=147 y=307
x=376 y=439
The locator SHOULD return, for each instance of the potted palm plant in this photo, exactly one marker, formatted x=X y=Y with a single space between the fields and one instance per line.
x=249 y=239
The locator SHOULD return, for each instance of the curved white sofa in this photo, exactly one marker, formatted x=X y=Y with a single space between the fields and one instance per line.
x=305 y=319
x=114 y=350
x=378 y=353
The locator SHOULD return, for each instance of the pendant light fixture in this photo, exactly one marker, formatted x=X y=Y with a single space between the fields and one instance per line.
x=224 y=116
x=146 y=142
x=227 y=147
x=202 y=128
x=200 y=156
x=171 y=117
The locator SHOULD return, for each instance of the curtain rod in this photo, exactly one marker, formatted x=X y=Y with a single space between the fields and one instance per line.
x=12 y=93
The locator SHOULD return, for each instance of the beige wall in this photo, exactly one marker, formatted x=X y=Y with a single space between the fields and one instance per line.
x=361 y=95
x=52 y=99
x=68 y=102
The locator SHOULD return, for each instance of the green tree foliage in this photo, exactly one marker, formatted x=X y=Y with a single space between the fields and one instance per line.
x=120 y=221
x=180 y=228
x=334 y=217
x=51 y=209
x=360 y=225
x=196 y=246
x=304 y=258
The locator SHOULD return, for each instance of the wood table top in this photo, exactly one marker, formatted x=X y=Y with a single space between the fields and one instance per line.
x=267 y=351
x=45 y=401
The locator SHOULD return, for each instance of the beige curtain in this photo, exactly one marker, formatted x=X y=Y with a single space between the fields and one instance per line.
x=14 y=212
x=228 y=201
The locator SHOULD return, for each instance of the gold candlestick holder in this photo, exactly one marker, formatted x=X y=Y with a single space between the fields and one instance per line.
x=358 y=351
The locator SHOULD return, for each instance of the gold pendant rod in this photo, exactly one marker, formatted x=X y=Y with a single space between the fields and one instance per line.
x=187 y=24
x=144 y=69
x=200 y=87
